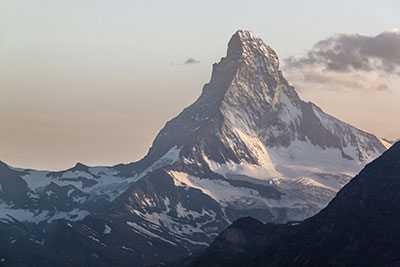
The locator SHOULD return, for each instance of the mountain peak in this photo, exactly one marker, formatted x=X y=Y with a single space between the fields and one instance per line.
x=246 y=37
x=247 y=34
x=248 y=108
x=241 y=39
x=80 y=167
x=249 y=46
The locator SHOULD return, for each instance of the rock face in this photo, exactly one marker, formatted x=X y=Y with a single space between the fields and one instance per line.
x=248 y=146
x=359 y=227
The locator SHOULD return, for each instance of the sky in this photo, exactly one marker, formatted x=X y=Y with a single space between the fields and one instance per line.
x=94 y=81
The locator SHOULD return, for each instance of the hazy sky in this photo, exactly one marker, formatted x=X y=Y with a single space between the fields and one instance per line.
x=94 y=81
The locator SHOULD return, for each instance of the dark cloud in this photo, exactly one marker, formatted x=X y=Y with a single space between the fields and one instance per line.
x=191 y=61
x=354 y=52
x=348 y=62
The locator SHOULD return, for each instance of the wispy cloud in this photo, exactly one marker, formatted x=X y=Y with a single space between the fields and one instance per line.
x=349 y=61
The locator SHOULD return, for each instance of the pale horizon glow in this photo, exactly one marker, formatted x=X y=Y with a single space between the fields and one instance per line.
x=94 y=81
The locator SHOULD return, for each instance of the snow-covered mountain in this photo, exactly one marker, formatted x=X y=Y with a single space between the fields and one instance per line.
x=248 y=146
x=359 y=227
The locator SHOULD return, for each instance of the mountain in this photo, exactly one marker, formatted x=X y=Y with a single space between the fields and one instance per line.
x=248 y=146
x=359 y=227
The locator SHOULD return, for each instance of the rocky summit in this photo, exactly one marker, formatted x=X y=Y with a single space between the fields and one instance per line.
x=248 y=146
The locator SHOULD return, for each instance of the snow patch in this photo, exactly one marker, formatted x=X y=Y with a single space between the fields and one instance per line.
x=107 y=229
x=385 y=143
x=169 y=158
x=141 y=230
x=36 y=216
x=302 y=193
